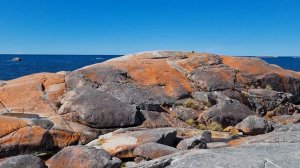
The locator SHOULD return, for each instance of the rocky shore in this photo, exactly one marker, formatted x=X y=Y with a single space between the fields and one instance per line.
x=154 y=110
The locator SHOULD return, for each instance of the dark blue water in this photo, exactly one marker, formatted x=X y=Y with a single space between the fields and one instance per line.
x=54 y=63
x=45 y=63
x=291 y=63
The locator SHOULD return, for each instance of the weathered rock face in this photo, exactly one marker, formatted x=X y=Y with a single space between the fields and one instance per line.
x=26 y=161
x=253 y=71
x=98 y=109
x=263 y=100
x=81 y=156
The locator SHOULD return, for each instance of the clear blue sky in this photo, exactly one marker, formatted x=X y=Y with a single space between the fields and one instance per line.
x=235 y=27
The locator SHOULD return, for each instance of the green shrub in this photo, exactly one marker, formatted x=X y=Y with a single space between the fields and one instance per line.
x=190 y=103
x=190 y=122
x=214 y=126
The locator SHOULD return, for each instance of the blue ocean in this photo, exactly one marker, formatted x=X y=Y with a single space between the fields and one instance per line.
x=54 y=63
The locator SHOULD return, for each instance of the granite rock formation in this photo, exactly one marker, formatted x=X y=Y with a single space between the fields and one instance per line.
x=129 y=107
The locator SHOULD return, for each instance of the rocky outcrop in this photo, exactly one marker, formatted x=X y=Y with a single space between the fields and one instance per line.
x=128 y=100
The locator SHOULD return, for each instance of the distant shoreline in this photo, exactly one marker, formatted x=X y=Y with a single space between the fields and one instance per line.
x=125 y=54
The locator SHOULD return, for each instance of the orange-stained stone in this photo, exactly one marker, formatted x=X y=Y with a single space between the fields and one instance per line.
x=10 y=124
x=26 y=136
x=64 y=138
x=153 y=72
x=194 y=60
x=34 y=93
x=235 y=142
x=255 y=66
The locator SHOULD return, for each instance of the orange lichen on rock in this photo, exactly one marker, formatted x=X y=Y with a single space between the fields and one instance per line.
x=33 y=93
x=10 y=124
x=255 y=66
x=64 y=138
x=194 y=60
x=26 y=136
x=154 y=72
x=235 y=142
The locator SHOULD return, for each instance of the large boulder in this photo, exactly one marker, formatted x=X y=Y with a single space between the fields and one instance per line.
x=253 y=125
x=98 y=109
x=81 y=156
x=226 y=112
x=24 y=161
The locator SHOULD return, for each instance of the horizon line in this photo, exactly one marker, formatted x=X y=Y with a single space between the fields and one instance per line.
x=126 y=54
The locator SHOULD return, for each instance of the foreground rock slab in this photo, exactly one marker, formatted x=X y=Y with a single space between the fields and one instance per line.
x=272 y=137
x=249 y=156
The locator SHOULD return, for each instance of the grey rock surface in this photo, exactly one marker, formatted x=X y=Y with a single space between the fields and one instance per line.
x=98 y=109
x=256 y=155
x=274 y=137
x=24 y=161
x=266 y=155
